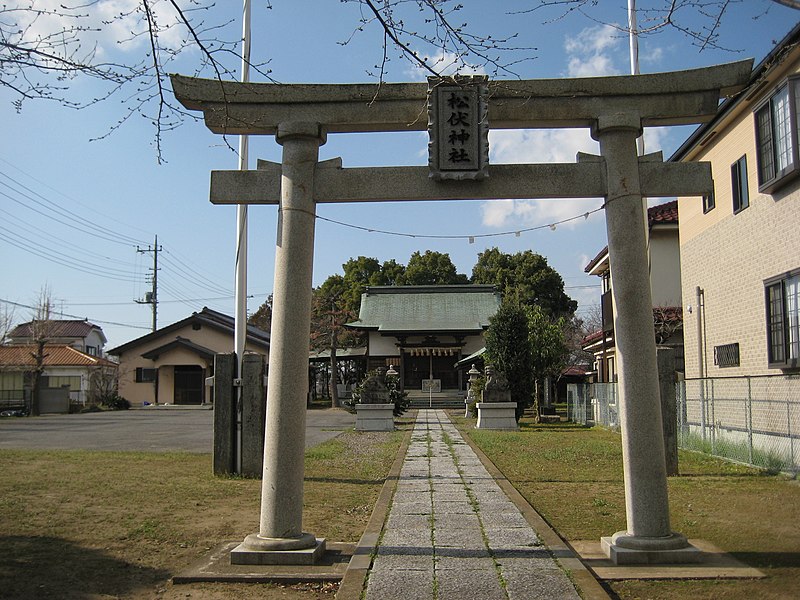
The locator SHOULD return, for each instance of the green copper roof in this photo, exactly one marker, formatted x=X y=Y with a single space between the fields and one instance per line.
x=427 y=308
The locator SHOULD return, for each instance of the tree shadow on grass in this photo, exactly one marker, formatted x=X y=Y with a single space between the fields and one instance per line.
x=49 y=567
x=769 y=560
x=565 y=427
x=345 y=480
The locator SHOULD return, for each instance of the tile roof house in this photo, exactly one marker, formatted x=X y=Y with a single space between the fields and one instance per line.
x=170 y=365
x=665 y=288
x=424 y=330
x=63 y=366
x=81 y=335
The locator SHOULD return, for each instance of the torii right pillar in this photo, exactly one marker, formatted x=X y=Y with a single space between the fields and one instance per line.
x=648 y=538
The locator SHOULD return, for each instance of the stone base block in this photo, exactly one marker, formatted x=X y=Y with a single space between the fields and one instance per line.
x=249 y=553
x=374 y=417
x=497 y=415
x=624 y=549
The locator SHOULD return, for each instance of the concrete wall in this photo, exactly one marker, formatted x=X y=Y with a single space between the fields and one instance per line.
x=730 y=255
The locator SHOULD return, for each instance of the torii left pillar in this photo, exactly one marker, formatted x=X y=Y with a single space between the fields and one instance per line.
x=280 y=539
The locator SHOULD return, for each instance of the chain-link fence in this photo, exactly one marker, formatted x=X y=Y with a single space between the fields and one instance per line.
x=753 y=420
x=593 y=404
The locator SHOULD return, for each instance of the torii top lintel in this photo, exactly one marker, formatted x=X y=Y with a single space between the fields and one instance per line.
x=672 y=98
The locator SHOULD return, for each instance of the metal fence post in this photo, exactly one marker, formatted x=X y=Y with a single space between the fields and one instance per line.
x=789 y=430
x=713 y=421
x=749 y=421
x=680 y=398
x=702 y=386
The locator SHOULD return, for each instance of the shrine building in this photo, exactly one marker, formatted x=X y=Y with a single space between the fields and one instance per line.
x=423 y=331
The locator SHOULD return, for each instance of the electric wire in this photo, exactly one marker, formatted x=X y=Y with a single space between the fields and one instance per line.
x=22 y=226
x=63 y=314
x=71 y=199
x=75 y=223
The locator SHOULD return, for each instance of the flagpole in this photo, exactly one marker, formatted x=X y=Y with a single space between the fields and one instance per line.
x=240 y=314
x=633 y=41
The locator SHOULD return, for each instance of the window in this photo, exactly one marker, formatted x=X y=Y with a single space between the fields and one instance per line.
x=776 y=137
x=709 y=202
x=739 y=189
x=144 y=375
x=783 y=321
x=91 y=350
x=73 y=382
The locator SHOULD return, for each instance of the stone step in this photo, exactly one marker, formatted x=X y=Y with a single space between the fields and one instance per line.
x=434 y=402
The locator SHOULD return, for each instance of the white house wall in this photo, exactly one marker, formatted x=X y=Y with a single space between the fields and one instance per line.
x=665 y=266
x=380 y=345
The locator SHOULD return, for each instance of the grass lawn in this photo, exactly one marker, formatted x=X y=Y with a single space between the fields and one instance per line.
x=572 y=476
x=98 y=525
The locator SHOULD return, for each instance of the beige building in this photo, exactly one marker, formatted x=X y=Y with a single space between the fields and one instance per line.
x=740 y=247
x=170 y=365
x=665 y=289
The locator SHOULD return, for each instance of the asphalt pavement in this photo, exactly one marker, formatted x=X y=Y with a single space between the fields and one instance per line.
x=145 y=430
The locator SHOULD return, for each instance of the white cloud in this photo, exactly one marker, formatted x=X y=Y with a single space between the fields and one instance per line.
x=523 y=214
x=539 y=145
x=104 y=28
x=591 y=53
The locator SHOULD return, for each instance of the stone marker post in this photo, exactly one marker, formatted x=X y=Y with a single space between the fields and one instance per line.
x=648 y=537
x=280 y=539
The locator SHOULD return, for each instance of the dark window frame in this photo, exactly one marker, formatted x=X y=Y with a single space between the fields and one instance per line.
x=709 y=202
x=778 y=323
x=146 y=375
x=770 y=178
x=740 y=190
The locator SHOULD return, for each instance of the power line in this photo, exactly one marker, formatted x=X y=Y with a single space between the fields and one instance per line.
x=62 y=262
x=67 y=197
x=96 y=231
x=76 y=316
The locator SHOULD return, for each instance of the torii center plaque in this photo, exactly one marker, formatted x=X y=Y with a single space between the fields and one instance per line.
x=458 y=127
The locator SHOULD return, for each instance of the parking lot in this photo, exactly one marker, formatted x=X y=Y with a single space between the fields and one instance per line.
x=145 y=430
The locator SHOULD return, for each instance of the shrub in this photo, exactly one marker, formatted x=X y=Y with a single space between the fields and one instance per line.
x=116 y=402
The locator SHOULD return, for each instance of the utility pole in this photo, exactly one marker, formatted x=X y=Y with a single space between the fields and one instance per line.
x=151 y=297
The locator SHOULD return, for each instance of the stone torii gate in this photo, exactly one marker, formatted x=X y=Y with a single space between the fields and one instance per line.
x=614 y=108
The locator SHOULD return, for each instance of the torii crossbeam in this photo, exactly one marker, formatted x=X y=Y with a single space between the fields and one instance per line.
x=614 y=108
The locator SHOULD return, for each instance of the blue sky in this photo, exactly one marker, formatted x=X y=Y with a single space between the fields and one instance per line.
x=73 y=211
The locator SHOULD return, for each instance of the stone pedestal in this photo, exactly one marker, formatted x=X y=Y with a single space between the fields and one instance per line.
x=497 y=415
x=255 y=550
x=625 y=549
x=374 y=417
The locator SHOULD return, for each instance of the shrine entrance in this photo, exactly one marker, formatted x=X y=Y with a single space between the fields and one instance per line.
x=435 y=365
x=615 y=109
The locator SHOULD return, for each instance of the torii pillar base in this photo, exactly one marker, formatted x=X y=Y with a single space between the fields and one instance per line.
x=256 y=550
x=624 y=549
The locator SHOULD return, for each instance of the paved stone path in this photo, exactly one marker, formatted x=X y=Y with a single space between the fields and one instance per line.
x=452 y=533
